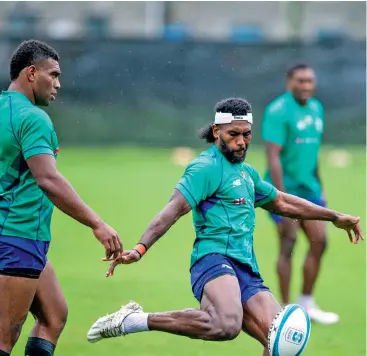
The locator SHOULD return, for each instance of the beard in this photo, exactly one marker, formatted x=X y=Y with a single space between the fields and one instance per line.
x=233 y=156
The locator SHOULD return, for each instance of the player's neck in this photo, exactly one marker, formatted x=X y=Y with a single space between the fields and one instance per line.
x=300 y=101
x=15 y=86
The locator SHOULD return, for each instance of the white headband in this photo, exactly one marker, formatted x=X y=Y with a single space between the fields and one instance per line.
x=227 y=118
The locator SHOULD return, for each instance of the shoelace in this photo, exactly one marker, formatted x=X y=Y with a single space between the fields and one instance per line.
x=113 y=328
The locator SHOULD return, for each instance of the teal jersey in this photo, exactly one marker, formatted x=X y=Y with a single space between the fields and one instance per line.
x=298 y=130
x=223 y=197
x=25 y=131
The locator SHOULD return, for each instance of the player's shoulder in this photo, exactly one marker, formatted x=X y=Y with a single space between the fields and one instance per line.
x=33 y=115
x=251 y=171
x=208 y=160
x=315 y=104
x=278 y=105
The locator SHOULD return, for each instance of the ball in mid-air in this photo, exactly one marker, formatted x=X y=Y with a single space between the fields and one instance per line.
x=289 y=332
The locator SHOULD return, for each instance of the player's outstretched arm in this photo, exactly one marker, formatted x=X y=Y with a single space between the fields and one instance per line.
x=61 y=193
x=298 y=208
x=174 y=210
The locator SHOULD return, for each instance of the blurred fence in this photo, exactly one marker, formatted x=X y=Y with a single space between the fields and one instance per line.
x=160 y=93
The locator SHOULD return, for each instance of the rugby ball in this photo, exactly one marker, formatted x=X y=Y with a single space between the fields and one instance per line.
x=289 y=331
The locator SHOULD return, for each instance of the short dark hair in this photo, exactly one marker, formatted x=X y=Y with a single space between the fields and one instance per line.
x=234 y=106
x=28 y=53
x=299 y=66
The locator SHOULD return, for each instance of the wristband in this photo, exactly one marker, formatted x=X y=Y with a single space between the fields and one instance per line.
x=141 y=249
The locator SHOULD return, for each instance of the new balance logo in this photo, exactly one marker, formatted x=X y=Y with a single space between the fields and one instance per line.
x=226 y=266
x=237 y=182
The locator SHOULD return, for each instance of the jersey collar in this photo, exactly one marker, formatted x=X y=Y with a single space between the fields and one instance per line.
x=15 y=93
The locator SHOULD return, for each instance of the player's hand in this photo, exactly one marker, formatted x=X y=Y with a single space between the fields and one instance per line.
x=125 y=258
x=109 y=238
x=350 y=224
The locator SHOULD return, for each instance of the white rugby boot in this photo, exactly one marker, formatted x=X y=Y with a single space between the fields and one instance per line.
x=318 y=315
x=112 y=325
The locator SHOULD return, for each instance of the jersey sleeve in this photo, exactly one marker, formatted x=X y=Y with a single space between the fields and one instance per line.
x=198 y=182
x=274 y=125
x=264 y=191
x=35 y=135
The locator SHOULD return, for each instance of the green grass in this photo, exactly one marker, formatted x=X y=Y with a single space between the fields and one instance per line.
x=128 y=187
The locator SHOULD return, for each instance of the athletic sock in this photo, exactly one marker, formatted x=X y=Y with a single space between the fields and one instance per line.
x=39 y=347
x=306 y=300
x=136 y=322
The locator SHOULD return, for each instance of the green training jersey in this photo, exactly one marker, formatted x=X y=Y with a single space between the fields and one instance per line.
x=223 y=197
x=25 y=131
x=298 y=130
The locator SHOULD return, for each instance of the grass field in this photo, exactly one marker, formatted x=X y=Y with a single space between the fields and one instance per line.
x=128 y=187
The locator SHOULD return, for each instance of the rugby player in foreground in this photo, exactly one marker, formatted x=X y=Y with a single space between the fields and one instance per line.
x=30 y=185
x=223 y=192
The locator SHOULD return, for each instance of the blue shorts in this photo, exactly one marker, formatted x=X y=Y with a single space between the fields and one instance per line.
x=279 y=219
x=21 y=257
x=215 y=265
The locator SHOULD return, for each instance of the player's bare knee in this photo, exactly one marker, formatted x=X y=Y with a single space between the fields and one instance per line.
x=287 y=248
x=318 y=246
x=56 y=322
x=228 y=327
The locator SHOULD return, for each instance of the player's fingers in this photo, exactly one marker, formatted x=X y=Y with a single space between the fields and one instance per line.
x=114 y=251
x=116 y=246
x=108 y=248
x=111 y=269
x=359 y=231
x=356 y=235
x=110 y=259
x=350 y=236
x=119 y=242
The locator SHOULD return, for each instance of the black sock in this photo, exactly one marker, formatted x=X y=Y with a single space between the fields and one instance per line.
x=3 y=353
x=39 y=347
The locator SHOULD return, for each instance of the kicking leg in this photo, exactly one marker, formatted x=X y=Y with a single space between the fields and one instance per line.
x=258 y=314
x=218 y=319
x=50 y=312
